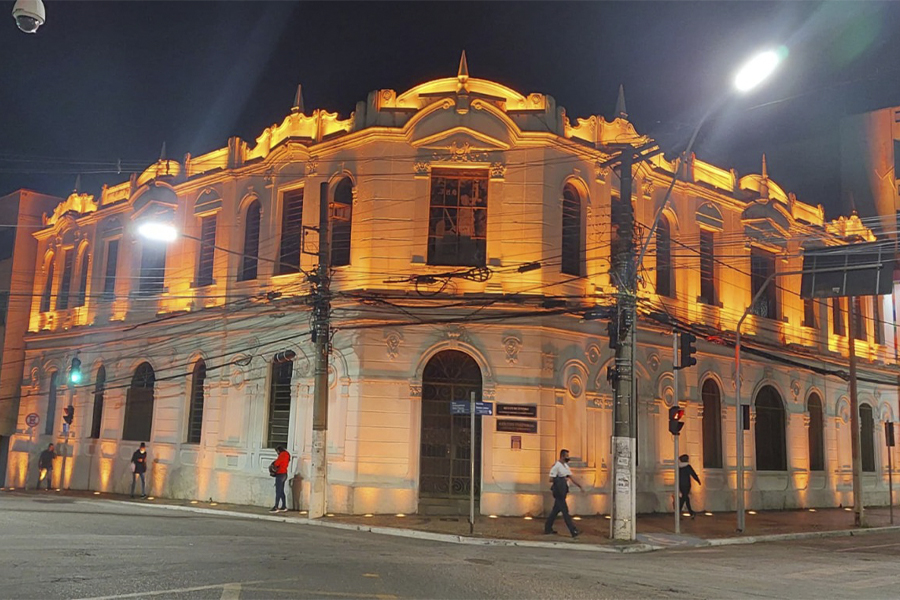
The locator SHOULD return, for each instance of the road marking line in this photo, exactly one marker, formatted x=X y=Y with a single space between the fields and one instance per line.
x=174 y=591
x=371 y=575
x=318 y=593
x=855 y=548
x=231 y=591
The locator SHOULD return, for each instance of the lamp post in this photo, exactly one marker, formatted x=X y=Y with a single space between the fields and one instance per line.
x=624 y=442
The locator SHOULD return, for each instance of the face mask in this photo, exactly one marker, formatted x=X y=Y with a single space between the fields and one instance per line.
x=567 y=459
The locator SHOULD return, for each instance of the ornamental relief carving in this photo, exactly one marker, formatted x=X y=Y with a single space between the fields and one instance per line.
x=512 y=344
x=548 y=362
x=312 y=165
x=593 y=353
x=498 y=170
x=392 y=340
x=461 y=154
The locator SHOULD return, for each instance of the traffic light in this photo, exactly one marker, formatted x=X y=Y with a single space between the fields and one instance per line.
x=75 y=371
x=69 y=414
x=612 y=333
x=676 y=420
x=688 y=349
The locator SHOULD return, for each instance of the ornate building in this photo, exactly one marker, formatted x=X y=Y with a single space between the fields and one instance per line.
x=471 y=232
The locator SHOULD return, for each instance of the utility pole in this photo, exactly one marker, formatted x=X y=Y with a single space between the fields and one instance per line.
x=624 y=439
x=858 y=509
x=322 y=331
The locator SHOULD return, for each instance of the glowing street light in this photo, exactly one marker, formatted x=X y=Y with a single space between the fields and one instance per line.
x=158 y=232
x=758 y=69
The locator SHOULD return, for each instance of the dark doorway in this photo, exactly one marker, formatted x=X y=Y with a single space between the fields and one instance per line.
x=445 y=454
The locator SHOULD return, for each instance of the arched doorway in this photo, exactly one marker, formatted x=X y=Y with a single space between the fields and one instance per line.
x=444 y=452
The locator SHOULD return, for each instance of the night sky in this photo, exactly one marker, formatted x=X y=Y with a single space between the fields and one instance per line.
x=108 y=81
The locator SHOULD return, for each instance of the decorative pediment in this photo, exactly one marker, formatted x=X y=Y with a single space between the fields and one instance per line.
x=154 y=200
x=766 y=218
x=76 y=205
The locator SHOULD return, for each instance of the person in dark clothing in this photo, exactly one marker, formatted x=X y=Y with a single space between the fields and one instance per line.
x=560 y=475
x=685 y=473
x=281 y=468
x=139 y=469
x=45 y=466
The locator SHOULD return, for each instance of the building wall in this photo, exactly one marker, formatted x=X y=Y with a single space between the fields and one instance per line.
x=531 y=332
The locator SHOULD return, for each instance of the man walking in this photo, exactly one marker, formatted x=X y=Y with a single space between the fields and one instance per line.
x=281 y=468
x=45 y=466
x=685 y=473
x=139 y=468
x=560 y=475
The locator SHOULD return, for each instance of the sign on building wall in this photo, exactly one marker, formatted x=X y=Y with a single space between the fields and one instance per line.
x=516 y=426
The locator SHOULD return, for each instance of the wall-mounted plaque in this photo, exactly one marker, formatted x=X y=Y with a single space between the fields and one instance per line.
x=515 y=426
x=517 y=410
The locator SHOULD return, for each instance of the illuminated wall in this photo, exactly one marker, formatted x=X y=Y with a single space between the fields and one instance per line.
x=526 y=151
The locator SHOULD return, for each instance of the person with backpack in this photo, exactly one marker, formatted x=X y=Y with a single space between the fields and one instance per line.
x=280 y=468
x=560 y=475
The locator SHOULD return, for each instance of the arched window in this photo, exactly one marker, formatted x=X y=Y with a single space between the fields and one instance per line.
x=48 y=287
x=249 y=261
x=153 y=268
x=771 y=451
x=279 y=420
x=65 y=285
x=867 y=437
x=99 y=388
x=341 y=222
x=51 y=403
x=571 y=232
x=195 y=411
x=664 y=280
x=712 y=425
x=83 y=279
x=139 y=405
x=816 y=434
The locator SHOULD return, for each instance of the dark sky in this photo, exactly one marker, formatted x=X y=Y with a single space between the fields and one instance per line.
x=106 y=81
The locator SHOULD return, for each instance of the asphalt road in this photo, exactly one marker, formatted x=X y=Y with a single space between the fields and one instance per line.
x=58 y=547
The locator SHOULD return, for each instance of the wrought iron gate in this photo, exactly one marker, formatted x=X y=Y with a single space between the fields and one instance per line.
x=445 y=447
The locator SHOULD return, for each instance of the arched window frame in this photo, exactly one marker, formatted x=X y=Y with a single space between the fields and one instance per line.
x=139 y=404
x=665 y=279
x=341 y=222
x=816 y=432
x=770 y=434
x=250 y=259
x=867 y=437
x=572 y=231
x=47 y=293
x=281 y=401
x=711 y=395
x=97 y=412
x=84 y=262
x=194 y=429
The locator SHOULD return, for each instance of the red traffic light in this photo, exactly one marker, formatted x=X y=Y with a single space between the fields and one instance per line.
x=676 y=420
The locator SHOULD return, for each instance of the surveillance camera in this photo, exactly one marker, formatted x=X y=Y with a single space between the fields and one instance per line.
x=29 y=15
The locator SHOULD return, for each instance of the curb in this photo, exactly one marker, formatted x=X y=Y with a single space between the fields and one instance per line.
x=804 y=535
x=404 y=533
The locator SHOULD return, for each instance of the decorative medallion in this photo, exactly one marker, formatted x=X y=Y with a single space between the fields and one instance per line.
x=575 y=386
x=512 y=345
x=653 y=361
x=460 y=154
x=312 y=165
x=602 y=173
x=392 y=339
x=795 y=389
x=422 y=168
x=593 y=353
x=498 y=170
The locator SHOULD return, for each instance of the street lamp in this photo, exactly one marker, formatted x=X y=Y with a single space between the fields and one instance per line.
x=753 y=73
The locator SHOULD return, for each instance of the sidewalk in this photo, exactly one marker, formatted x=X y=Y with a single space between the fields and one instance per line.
x=655 y=531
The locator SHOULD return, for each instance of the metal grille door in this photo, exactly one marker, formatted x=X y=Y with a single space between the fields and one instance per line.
x=445 y=446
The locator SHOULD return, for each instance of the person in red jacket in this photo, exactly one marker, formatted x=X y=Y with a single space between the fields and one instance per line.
x=281 y=468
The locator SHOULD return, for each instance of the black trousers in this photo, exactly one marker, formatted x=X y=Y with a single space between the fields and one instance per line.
x=560 y=506
x=685 y=501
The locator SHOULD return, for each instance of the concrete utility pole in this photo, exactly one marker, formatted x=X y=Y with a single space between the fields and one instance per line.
x=322 y=328
x=624 y=438
x=858 y=510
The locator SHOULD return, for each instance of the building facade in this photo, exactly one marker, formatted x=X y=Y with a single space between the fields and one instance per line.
x=470 y=230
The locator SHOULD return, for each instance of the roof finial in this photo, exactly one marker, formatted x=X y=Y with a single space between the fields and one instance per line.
x=298 y=101
x=621 y=113
x=77 y=189
x=162 y=153
x=463 y=73
x=765 y=171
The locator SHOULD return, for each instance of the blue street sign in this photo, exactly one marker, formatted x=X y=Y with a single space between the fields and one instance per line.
x=461 y=407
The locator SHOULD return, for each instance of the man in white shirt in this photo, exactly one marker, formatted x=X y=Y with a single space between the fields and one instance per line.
x=560 y=475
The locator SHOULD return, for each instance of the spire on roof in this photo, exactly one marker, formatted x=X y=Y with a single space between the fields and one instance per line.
x=463 y=72
x=764 y=185
x=621 y=113
x=298 y=101
x=77 y=189
x=765 y=171
x=162 y=153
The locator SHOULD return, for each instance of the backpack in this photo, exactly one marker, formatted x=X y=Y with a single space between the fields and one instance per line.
x=273 y=470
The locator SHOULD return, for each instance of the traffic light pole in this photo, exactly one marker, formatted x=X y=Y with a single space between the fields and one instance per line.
x=322 y=328
x=675 y=402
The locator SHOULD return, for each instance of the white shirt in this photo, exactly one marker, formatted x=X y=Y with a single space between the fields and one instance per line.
x=560 y=469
